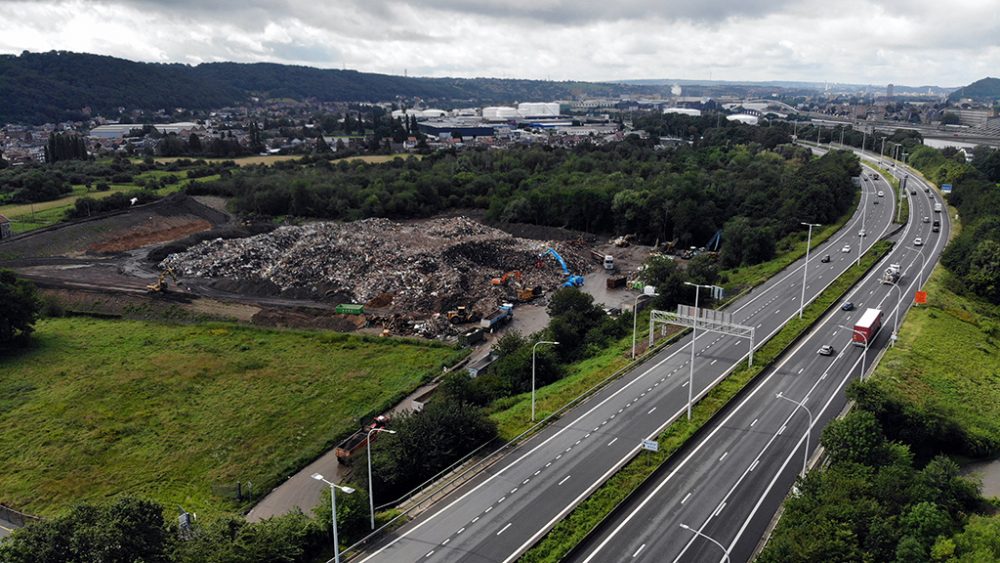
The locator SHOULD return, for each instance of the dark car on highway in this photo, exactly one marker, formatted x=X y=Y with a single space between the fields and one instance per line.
x=847 y=306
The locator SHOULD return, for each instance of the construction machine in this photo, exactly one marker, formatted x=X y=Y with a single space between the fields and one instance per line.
x=160 y=286
x=516 y=274
x=461 y=314
x=572 y=280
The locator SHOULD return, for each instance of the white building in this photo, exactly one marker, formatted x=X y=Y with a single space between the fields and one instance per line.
x=683 y=111
x=500 y=113
x=538 y=109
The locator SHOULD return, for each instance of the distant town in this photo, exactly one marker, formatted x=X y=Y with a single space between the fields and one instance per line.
x=288 y=127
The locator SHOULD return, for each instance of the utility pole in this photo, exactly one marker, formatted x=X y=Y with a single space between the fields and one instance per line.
x=805 y=267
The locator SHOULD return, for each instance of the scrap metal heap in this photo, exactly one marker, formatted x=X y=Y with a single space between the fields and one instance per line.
x=407 y=274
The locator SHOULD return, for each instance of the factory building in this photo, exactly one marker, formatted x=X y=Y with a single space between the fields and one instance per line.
x=455 y=127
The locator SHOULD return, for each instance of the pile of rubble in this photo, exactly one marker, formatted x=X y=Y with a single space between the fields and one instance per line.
x=407 y=270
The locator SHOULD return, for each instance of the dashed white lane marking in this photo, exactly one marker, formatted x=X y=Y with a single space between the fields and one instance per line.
x=754 y=464
x=445 y=542
x=514 y=490
x=712 y=363
x=723 y=456
x=476 y=519
x=780 y=430
x=754 y=422
x=504 y=529
x=651 y=410
x=802 y=370
x=429 y=553
x=612 y=441
x=686 y=497
x=685 y=384
x=638 y=551
x=525 y=482
x=501 y=500
x=718 y=510
x=564 y=479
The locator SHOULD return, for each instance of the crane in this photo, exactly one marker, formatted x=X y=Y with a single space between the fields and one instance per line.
x=571 y=279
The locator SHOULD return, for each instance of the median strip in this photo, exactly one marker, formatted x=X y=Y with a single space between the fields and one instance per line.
x=589 y=514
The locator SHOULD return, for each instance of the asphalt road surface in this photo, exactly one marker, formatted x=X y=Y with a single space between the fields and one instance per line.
x=502 y=512
x=730 y=484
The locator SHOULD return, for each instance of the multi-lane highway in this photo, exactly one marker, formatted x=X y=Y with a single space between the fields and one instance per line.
x=502 y=512
x=728 y=485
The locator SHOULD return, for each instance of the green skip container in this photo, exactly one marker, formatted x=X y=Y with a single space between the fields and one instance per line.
x=350 y=309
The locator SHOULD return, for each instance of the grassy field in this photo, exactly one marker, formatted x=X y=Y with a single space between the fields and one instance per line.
x=28 y=217
x=588 y=514
x=271 y=159
x=947 y=362
x=179 y=413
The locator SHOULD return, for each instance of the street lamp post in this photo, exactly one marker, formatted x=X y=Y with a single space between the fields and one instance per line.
x=881 y=154
x=861 y=242
x=709 y=538
x=805 y=268
x=333 y=505
x=895 y=314
x=694 y=338
x=533 y=348
x=805 y=456
x=371 y=487
x=923 y=260
x=635 y=316
x=864 y=353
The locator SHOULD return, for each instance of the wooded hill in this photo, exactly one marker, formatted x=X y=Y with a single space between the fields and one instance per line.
x=985 y=90
x=57 y=86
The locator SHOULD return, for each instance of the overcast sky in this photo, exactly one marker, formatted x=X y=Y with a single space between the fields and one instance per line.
x=912 y=42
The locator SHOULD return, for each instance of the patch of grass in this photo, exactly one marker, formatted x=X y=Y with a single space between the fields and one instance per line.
x=180 y=413
x=241 y=161
x=571 y=530
x=946 y=362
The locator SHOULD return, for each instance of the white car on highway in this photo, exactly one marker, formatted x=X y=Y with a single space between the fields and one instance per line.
x=846 y=248
x=918 y=241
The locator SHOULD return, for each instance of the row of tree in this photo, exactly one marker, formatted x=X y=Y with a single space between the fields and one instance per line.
x=753 y=195
x=974 y=255
x=874 y=503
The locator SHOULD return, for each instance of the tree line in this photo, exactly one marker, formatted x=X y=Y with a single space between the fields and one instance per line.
x=974 y=254
x=754 y=195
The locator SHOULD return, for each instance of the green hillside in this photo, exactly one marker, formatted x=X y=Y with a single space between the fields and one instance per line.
x=985 y=90
x=60 y=85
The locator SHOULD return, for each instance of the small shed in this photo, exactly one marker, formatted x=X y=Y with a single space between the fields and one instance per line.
x=5 y=231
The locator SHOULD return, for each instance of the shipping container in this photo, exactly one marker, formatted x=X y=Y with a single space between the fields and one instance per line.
x=350 y=309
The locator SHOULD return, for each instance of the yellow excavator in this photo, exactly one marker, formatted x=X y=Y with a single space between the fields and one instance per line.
x=161 y=282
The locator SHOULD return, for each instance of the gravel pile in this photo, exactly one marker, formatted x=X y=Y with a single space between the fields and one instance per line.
x=414 y=269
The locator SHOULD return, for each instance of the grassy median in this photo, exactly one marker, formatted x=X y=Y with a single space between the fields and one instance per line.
x=571 y=530
x=180 y=413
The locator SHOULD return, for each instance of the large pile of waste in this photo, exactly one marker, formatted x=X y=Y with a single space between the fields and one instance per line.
x=414 y=269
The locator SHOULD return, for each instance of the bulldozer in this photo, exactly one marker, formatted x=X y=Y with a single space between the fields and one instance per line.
x=160 y=286
x=462 y=314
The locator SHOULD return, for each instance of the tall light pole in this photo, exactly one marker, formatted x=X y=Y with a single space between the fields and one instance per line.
x=923 y=260
x=861 y=242
x=864 y=354
x=709 y=538
x=895 y=314
x=635 y=316
x=371 y=487
x=533 y=348
x=694 y=338
x=333 y=505
x=881 y=154
x=805 y=268
x=805 y=456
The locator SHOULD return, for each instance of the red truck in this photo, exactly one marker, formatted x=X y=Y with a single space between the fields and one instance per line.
x=868 y=326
